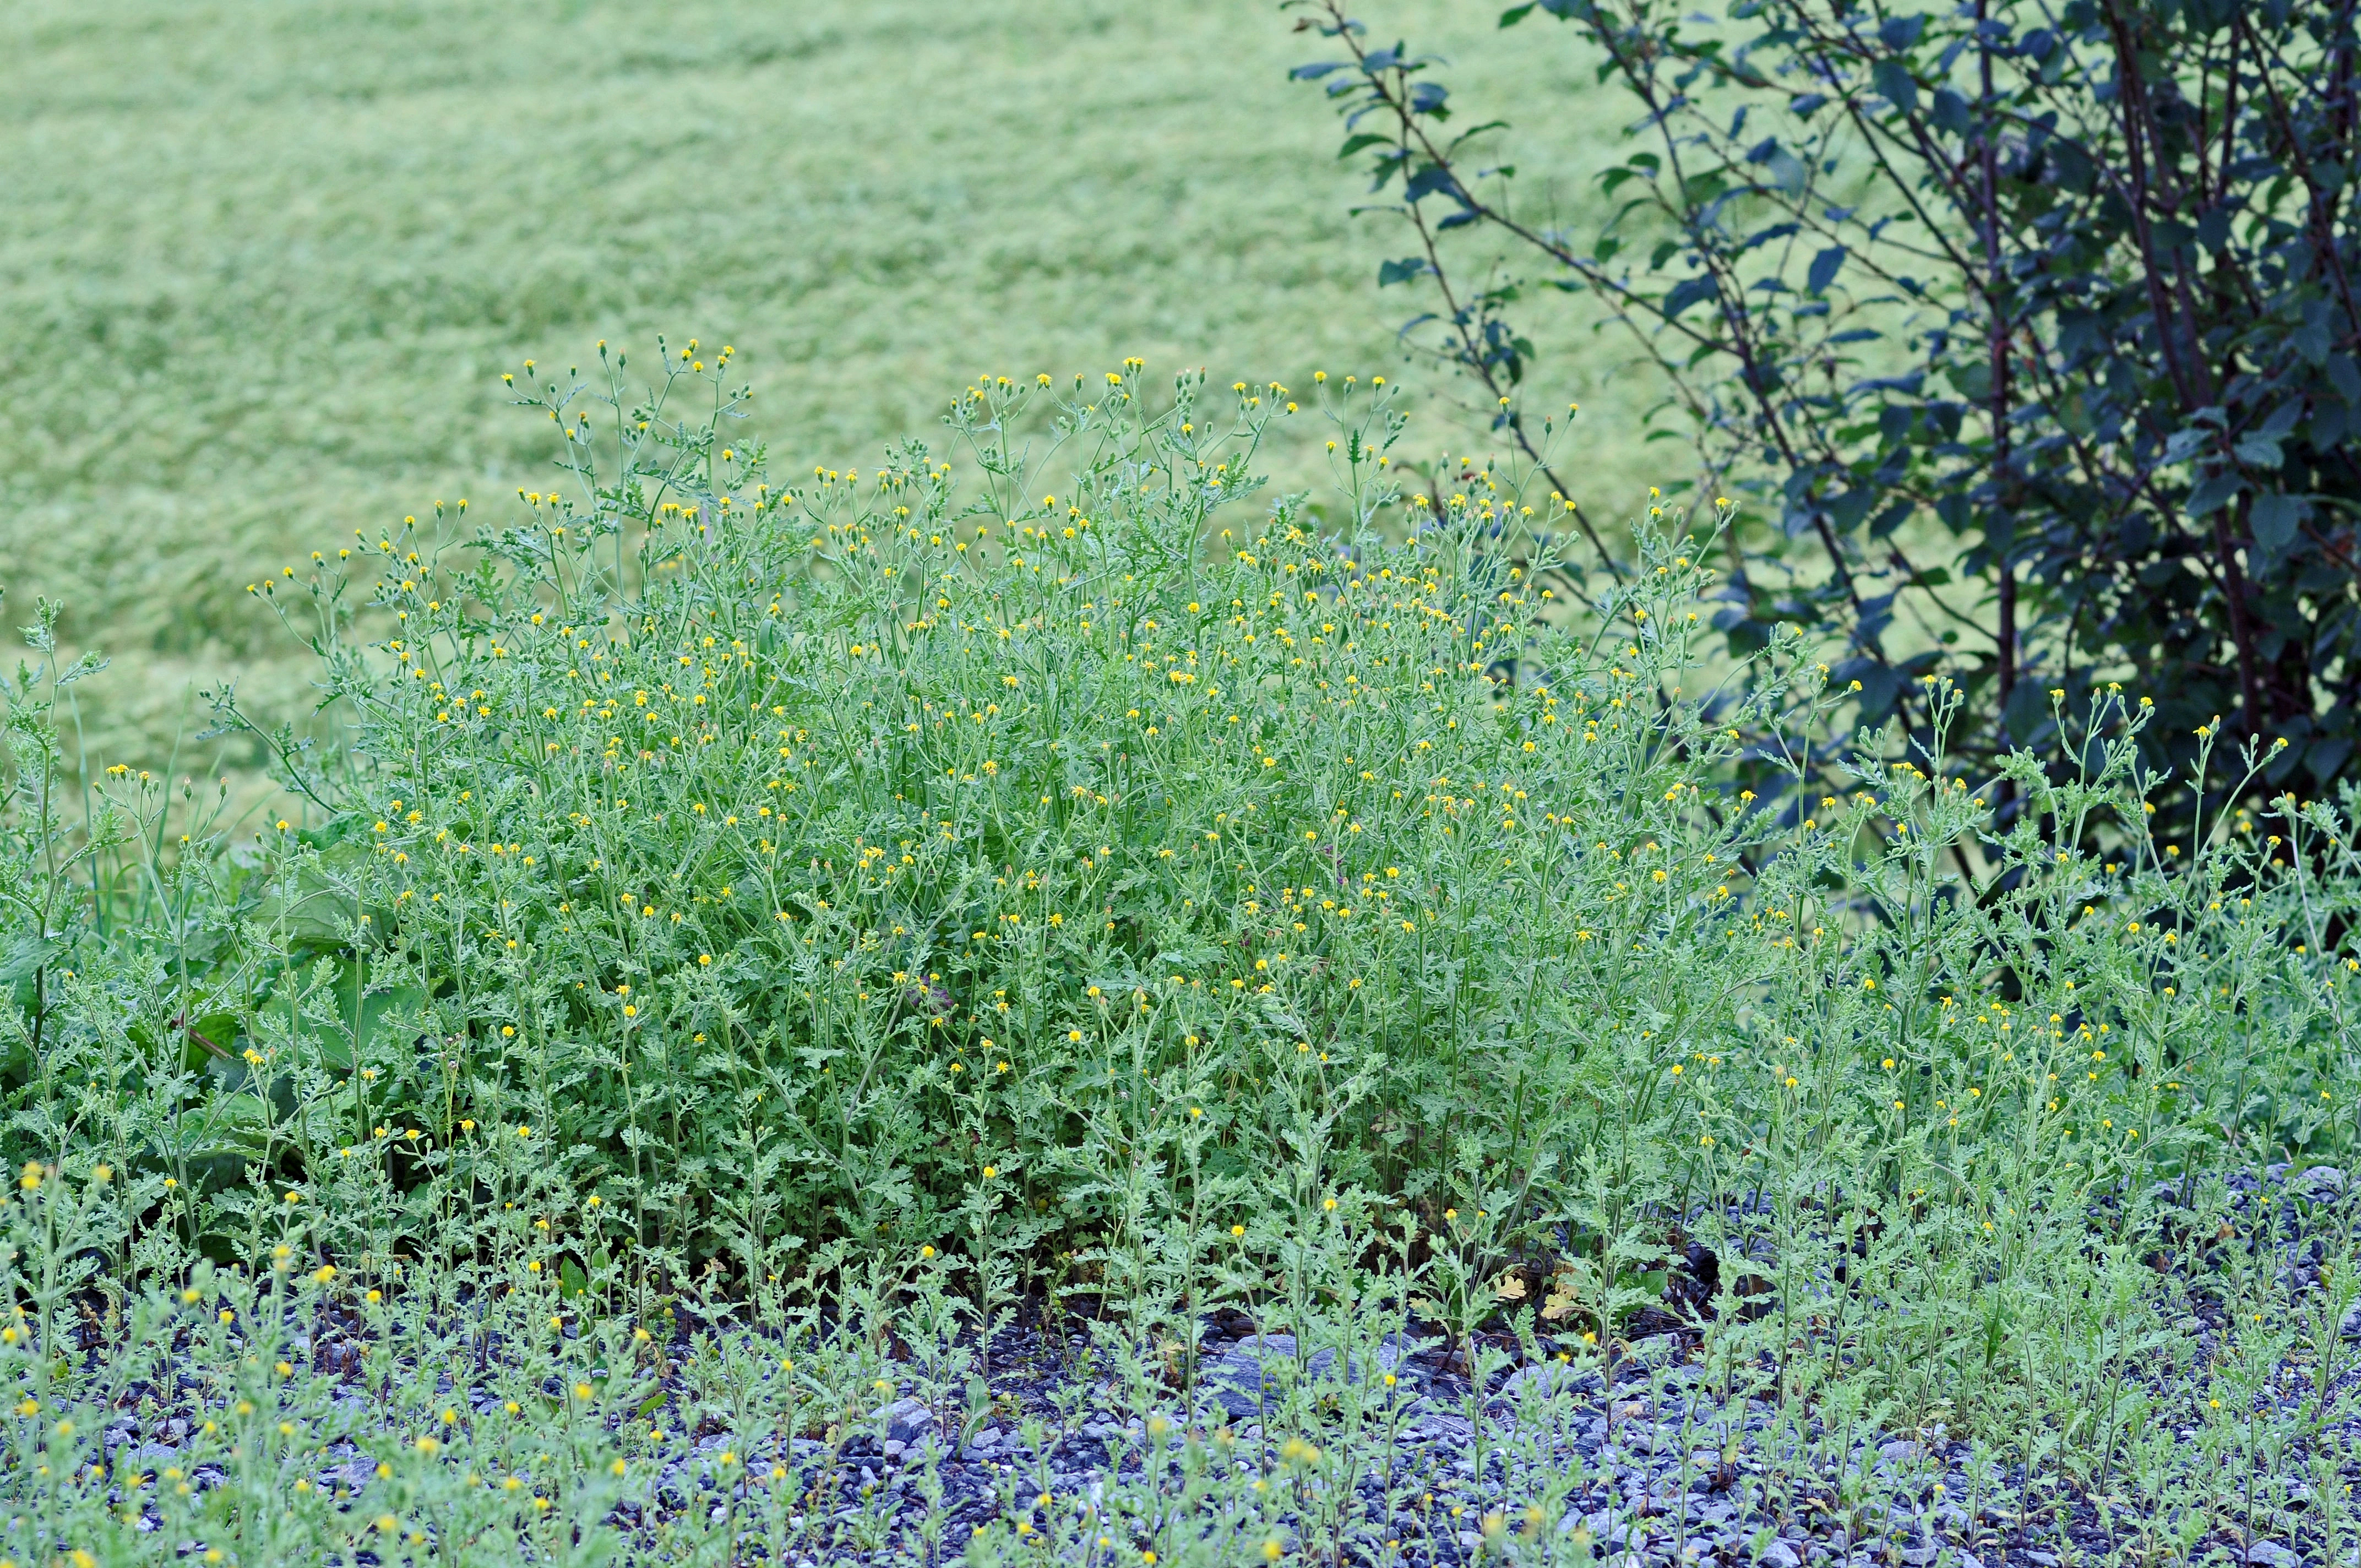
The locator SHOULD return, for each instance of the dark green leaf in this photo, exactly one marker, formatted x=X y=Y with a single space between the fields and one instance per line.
x=2215 y=491
x=1893 y=82
x=1686 y=293
x=2276 y=520
x=1899 y=33
x=1428 y=180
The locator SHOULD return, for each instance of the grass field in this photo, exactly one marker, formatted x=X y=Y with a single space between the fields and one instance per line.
x=262 y=264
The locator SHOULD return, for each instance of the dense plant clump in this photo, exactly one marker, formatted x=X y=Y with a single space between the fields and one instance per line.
x=762 y=935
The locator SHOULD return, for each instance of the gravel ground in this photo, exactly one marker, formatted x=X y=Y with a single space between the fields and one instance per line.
x=1669 y=1470
x=1670 y=1474
x=1657 y=1467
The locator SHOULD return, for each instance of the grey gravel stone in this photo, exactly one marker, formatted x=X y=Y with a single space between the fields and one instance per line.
x=1543 y=1378
x=1605 y=1526
x=906 y=1421
x=353 y=1474
x=1242 y=1379
x=2320 y=1184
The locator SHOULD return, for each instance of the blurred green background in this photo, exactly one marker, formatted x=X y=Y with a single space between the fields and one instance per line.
x=263 y=263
